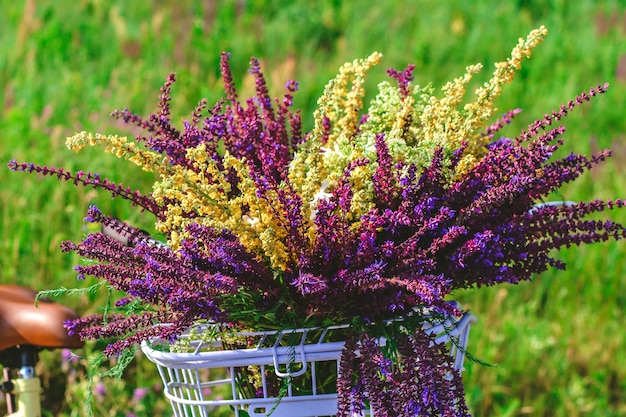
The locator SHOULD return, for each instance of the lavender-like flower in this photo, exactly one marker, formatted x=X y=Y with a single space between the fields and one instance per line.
x=89 y=179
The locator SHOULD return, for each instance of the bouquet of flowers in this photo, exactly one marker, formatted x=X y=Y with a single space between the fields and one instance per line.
x=377 y=213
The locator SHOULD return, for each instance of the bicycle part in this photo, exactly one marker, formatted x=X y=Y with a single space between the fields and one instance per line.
x=23 y=391
x=23 y=323
x=25 y=329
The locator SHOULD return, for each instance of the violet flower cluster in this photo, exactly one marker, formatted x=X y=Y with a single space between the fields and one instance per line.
x=251 y=243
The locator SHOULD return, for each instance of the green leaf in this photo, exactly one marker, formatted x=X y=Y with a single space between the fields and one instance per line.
x=63 y=291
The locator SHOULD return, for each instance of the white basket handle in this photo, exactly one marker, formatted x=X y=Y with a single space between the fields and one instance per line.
x=277 y=371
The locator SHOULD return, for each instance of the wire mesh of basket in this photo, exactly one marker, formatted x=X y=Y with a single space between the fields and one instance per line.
x=282 y=373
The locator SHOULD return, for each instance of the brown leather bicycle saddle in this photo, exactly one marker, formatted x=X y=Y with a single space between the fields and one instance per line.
x=23 y=323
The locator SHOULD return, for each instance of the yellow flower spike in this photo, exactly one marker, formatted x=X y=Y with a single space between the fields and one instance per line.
x=341 y=103
x=120 y=147
x=455 y=90
x=404 y=116
x=83 y=139
x=274 y=249
x=442 y=117
x=198 y=156
x=353 y=102
x=482 y=109
x=202 y=190
x=341 y=107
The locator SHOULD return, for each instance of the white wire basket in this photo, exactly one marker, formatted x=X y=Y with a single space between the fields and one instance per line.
x=289 y=369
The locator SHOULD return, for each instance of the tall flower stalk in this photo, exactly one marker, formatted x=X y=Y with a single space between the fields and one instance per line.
x=378 y=213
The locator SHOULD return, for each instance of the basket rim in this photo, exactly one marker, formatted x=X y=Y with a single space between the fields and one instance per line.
x=318 y=350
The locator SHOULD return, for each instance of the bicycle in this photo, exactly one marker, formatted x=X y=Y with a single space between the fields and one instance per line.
x=25 y=330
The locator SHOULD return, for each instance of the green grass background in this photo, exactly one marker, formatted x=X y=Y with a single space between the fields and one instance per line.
x=558 y=342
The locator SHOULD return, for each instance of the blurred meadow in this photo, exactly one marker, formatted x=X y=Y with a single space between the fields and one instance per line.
x=558 y=342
